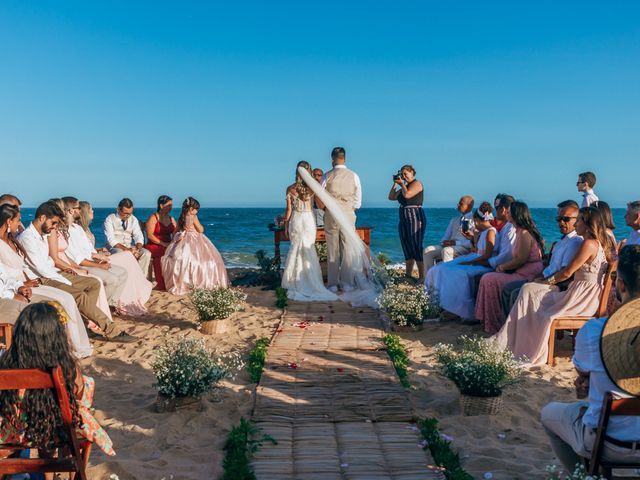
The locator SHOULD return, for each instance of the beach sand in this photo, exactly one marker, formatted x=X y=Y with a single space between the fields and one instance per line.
x=188 y=444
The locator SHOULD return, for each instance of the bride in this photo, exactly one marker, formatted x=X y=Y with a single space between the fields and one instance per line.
x=302 y=276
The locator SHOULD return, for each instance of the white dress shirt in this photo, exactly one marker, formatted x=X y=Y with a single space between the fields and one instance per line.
x=633 y=238
x=587 y=358
x=38 y=259
x=454 y=230
x=563 y=253
x=504 y=243
x=588 y=198
x=8 y=285
x=356 y=179
x=115 y=233
x=80 y=247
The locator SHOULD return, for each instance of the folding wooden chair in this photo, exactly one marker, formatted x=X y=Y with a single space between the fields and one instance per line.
x=611 y=407
x=79 y=450
x=6 y=332
x=576 y=322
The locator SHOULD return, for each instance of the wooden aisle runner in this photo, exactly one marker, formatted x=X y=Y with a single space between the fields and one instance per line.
x=332 y=400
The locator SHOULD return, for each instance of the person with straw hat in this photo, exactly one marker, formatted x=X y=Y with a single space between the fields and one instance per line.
x=607 y=358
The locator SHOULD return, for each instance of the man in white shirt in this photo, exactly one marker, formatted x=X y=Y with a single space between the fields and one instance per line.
x=632 y=219
x=571 y=426
x=85 y=290
x=562 y=252
x=122 y=231
x=586 y=182
x=318 y=212
x=345 y=188
x=457 y=238
x=81 y=251
x=506 y=239
x=14 y=296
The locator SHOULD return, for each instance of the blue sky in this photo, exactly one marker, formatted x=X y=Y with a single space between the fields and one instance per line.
x=220 y=100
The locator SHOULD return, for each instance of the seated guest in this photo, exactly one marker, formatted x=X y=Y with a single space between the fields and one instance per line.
x=586 y=182
x=33 y=419
x=526 y=331
x=571 y=426
x=525 y=264
x=12 y=261
x=15 y=201
x=457 y=238
x=137 y=288
x=160 y=226
x=80 y=251
x=85 y=290
x=453 y=281
x=123 y=233
x=58 y=243
x=14 y=296
x=413 y=221
x=318 y=212
x=496 y=222
x=191 y=259
x=607 y=217
x=632 y=219
x=561 y=254
x=506 y=239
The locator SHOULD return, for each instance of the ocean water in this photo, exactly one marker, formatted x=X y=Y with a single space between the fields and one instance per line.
x=239 y=232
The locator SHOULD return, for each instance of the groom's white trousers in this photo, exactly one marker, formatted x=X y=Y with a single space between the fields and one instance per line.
x=335 y=247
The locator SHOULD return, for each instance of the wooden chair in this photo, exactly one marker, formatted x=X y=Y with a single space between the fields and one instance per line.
x=79 y=450
x=576 y=322
x=6 y=332
x=611 y=407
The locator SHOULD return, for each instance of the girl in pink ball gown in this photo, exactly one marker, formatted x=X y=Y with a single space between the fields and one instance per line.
x=191 y=260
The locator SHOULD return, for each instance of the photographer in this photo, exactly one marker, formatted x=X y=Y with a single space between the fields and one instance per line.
x=413 y=221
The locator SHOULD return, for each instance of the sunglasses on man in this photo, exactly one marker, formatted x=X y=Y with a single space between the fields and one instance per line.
x=564 y=219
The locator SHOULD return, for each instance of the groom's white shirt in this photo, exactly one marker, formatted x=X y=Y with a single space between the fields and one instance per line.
x=358 y=202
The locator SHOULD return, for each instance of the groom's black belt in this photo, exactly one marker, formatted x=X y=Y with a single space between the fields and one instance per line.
x=621 y=443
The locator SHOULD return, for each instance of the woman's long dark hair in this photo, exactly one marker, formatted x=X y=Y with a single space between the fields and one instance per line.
x=39 y=341
x=187 y=205
x=9 y=212
x=162 y=199
x=303 y=190
x=594 y=223
x=607 y=216
x=521 y=216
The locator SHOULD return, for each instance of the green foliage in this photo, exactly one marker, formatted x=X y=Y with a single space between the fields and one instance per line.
x=281 y=297
x=399 y=358
x=257 y=357
x=441 y=451
x=321 y=250
x=217 y=303
x=580 y=473
x=184 y=367
x=408 y=304
x=479 y=367
x=382 y=258
x=240 y=445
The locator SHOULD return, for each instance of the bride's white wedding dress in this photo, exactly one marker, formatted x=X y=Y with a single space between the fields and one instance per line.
x=302 y=276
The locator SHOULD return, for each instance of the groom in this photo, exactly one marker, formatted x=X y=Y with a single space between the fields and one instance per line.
x=344 y=186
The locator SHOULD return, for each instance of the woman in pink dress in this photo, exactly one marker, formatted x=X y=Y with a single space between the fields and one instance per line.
x=526 y=331
x=526 y=264
x=191 y=260
x=137 y=289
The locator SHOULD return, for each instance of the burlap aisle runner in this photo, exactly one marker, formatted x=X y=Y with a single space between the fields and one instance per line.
x=332 y=399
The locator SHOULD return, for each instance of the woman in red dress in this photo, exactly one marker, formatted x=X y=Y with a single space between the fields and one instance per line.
x=160 y=226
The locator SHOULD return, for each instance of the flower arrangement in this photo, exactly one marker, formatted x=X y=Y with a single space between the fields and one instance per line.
x=185 y=367
x=217 y=303
x=580 y=473
x=408 y=304
x=321 y=250
x=478 y=368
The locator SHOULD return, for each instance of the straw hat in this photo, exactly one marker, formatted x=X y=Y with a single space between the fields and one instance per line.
x=620 y=347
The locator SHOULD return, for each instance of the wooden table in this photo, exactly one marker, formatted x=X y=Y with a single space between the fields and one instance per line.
x=278 y=236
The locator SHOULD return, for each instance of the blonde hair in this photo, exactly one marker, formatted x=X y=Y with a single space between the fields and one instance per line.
x=62 y=226
x=84 y=220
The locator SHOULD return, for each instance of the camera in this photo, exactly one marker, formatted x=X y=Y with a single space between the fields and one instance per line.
x=465 y=224
x=398 y=176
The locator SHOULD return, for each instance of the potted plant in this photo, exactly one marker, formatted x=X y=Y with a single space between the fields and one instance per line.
x=321 y=250
x=215 y=305
x=408 y=305
x=481 y=371
x=185 y=370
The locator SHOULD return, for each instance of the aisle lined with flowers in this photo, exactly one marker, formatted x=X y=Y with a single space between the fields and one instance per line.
x=330 y=396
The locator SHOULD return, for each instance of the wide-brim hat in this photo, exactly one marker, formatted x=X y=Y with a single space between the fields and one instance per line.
x=620 y=347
